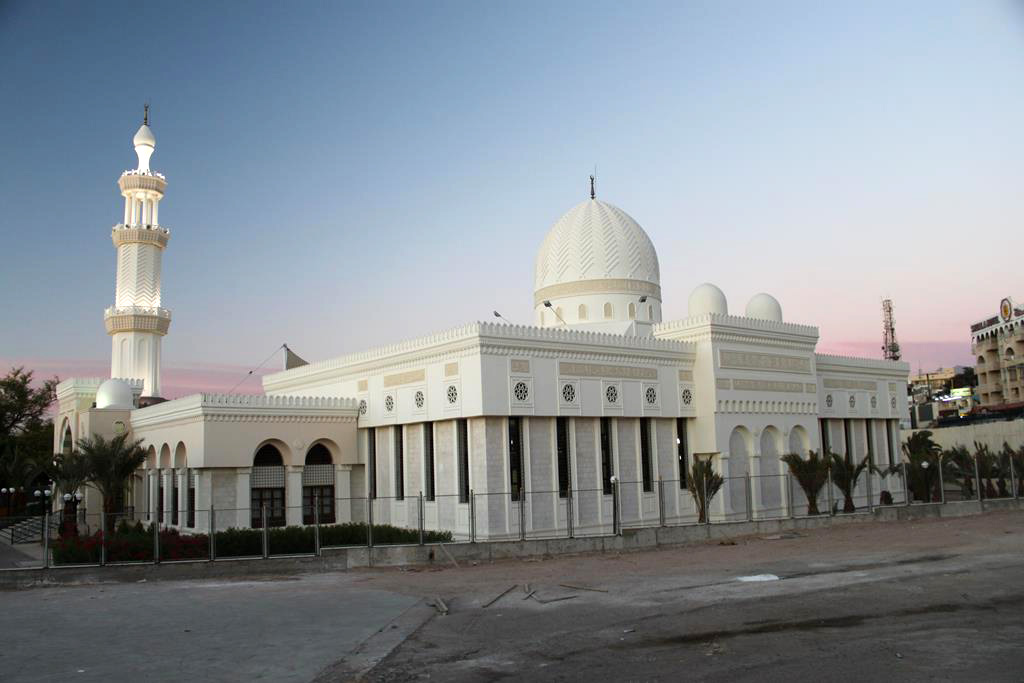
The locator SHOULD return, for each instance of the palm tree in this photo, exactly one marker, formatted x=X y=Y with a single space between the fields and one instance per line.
x=19 y=469
x=845 y=475
x=703 y=484
x=69 y=472
x=958 y=464
x=811 y=474
x=988 y=468
x=110 y=464
x=923 y=462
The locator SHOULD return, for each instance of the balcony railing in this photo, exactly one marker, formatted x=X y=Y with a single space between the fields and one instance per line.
x=136 y=310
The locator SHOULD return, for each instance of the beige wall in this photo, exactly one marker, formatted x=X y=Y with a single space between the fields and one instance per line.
x=991 y=433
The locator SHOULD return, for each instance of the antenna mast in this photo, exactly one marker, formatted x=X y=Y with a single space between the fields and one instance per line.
x=890 y=347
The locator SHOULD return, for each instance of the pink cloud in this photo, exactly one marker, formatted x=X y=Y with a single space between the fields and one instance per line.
x=178 y=380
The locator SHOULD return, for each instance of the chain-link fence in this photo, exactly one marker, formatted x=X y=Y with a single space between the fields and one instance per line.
x=77 y=536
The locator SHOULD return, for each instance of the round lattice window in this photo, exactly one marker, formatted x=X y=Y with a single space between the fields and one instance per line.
x=893 y=403
x=828 y=400
x=418 y=399
x=389 y=403
x=853 y=401
x=568 y=393
x=362 y=407
x=687 y=397
x=521 y=391
x=453 y=394
x=874 y=401
x=651 y=395
x=611 y=393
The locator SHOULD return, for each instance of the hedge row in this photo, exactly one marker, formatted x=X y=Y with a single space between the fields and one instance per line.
x=134 y=542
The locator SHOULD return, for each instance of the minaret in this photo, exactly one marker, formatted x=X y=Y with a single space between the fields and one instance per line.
x=136 y=322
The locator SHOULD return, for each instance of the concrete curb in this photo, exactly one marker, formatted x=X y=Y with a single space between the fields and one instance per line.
x=341 y=559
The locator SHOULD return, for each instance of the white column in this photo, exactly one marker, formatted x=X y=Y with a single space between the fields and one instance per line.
x=204 y=498
x=127 y=210
x=156 y=204
x=154 y=489
x=168 y=494
x=182 y=475
x=293 y=495
x=755 y=483
x=343 y=493
x=243 y=500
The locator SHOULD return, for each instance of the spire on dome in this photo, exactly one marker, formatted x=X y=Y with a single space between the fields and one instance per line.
x=145 y=114
x=593 y=192
x=144 y=141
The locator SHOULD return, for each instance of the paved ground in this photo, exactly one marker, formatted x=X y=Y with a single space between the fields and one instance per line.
x=15 y=556
x=936 y=599
x=284 y=629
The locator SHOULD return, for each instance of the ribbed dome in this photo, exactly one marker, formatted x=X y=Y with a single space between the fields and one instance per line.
x=144 y=136
x=595 y=240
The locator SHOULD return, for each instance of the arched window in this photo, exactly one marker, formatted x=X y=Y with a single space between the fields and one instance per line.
x=267 y=487
x=318 y=486
x=981 y=360
x=608 y=310
x=582 y=312
x=632 y=311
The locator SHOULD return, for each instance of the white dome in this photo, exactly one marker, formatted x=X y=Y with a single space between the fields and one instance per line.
x=144 y=136
x=595 y=240
x=707 y=298
x=115 y=393
x=764 y=307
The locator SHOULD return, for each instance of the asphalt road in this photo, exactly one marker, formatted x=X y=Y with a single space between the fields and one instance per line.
x=938 y=600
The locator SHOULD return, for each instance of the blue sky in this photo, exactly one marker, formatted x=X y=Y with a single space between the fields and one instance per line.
x=343 y=175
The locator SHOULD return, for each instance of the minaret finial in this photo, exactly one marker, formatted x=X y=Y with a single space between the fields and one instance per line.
x=145 y=114
x=593 y=192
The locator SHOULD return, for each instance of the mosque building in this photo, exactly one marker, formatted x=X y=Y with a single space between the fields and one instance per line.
x=493 y=429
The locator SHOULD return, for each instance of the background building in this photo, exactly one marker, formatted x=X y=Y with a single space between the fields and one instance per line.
x=998 y=347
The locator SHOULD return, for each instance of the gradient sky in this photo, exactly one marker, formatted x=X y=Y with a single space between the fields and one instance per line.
x=343 y=175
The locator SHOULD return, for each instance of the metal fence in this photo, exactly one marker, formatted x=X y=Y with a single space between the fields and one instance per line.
x=130 y=537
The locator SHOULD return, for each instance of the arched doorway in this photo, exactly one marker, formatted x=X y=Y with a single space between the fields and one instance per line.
x=771 y=472
x=318 y=486
x=267 y=487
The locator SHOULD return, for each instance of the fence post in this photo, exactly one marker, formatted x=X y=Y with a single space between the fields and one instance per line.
x=1013 y=479
x=661 y=501
x=789 y=494
x=871 y=488
x=704 y=499
x=420 y=509
x=213 y=533
x=977 y=480
x=906 y=485
x=522 y=514
x=942 y=484
x=749 y=495
x=369 y=522
x=46 y=540
x=266 y=531
x=568 y=509
x=103 y=538
x=156 y=542
x=472 y=516
x=316 y=522
x=828 y=490
x=616 y=522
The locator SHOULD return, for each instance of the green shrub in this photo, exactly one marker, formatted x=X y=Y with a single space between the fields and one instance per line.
x=133 y=542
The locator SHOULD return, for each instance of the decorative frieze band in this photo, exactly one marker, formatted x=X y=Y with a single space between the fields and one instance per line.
x=136 y=322
x=609 y=371
x=519 y=365
x=153 y=183
x=811 y=388
x=723 y=383
x=894 y=386
x=123 y=235
x=767 y=385
x=583 y=287
x=363 y=385
x=451 y=369
x=748 y=360
x=409 y=377
x=686 y=375
x=851 y=384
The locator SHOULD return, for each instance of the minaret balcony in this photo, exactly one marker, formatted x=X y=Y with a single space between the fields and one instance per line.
x=141 y=234
x=138 y=180
x=137 y=319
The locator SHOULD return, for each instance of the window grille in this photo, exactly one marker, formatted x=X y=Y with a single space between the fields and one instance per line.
x=267 y=477
x=318 y=475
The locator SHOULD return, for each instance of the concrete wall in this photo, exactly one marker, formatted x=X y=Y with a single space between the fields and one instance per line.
x=991 y=433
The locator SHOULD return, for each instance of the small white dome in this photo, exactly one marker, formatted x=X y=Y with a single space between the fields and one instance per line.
x=707 y=298
x=764 y=307
x=144 y=136
x=115 y=393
